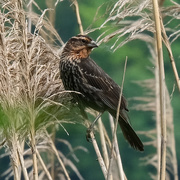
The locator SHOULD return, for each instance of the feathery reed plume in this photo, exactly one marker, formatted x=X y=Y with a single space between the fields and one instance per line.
x=31 y=91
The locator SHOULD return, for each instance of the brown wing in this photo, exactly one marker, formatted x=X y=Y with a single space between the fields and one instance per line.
x=108 y=90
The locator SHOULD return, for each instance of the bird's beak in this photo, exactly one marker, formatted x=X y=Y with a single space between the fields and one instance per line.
x=92 y=44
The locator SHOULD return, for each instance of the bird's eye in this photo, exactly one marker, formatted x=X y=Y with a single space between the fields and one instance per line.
x=83 y=40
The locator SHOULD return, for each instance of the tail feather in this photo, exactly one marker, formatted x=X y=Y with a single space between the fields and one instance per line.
x=128 y=132
x=130 y=135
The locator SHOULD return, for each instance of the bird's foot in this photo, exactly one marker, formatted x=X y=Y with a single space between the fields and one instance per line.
x=88 y=131
x=91 y=128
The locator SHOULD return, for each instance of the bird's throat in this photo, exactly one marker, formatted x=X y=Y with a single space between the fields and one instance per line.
x=81 y=54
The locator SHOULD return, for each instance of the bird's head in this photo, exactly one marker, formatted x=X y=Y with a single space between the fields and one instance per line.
x=80 y=46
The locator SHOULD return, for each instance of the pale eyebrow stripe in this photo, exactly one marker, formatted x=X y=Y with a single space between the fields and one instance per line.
x=81 y=37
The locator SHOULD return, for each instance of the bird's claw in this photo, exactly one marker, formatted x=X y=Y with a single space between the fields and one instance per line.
x=88 y=136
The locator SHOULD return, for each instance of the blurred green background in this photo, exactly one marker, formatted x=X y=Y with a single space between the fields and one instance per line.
x=139 y=67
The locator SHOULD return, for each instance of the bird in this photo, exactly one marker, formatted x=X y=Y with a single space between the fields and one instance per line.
x=91 y=87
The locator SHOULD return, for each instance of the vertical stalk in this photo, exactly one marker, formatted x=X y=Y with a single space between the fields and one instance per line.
x=158 y=121
x=103 y=143
x=33 y=149
x=58 y=157
x=21 y=159
x=52 y=154
x=51 y=17
x=78 y=16
x=44 y=166
x=99 y=157
x=161 y=90
x=114 y=139
x=14 y=157
x=29 y=19
x=118 y=156
x=15 y=169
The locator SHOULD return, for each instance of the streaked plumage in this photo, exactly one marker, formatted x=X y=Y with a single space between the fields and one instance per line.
x=96 y=89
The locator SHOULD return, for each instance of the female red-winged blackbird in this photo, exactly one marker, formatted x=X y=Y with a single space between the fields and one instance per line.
x=79 y=73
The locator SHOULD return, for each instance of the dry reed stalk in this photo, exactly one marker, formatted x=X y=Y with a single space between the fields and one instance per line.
x=21 y=159
x=14 y=157
x=161 y=89
x=75 y=2
x=114 y=139
x=51 y=17
x=44 y=166
x=158 y=119
x=103 y=143
x=99 y=156
x=34 y=157
x=52 y=155
x=117 y=153
x=58 y=157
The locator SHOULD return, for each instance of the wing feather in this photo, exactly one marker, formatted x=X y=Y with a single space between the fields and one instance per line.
x=107 y=89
